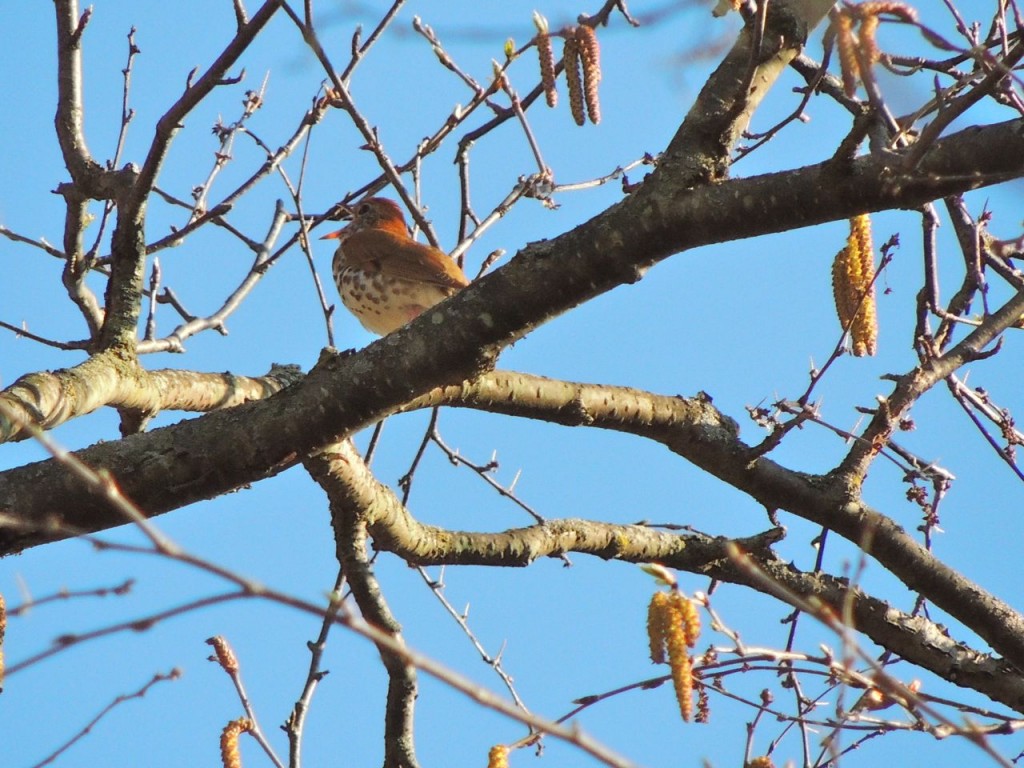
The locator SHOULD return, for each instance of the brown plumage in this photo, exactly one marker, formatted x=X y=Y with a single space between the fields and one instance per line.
x=384 y=277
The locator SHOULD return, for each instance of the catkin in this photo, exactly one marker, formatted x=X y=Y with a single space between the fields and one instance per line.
x=225 y=656
x=868 y=43
x=229 y=754
x=682 y=670
x=498 y=757
x=546 y=53
x=658 y=619
x=571 y=59
x=904 y=13
x=846 y=42
x=590 y=55
x=686 y=611
x=853 y=273
x=672 y=629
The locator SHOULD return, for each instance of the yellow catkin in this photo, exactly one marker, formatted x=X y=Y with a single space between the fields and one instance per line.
x=853 y=274
x=571 y=59
x=682 y=669
x=546 y=53
x=864 y=331
x=841 y=290
x=229 y=754
x=761 y=762
x=682 y=634
x=590 y=55
x=673 y=626
x=659 y=617
x=225 y=656
x=686 y=614
x=498 y=757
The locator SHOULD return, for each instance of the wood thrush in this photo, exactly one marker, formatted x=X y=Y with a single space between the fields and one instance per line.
x=384 y=277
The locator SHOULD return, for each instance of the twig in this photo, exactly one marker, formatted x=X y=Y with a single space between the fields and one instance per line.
x=119 y=590
x=486 y=473
x=296 y=722
x=65 y=345
x=174 y=674
x=228 y=661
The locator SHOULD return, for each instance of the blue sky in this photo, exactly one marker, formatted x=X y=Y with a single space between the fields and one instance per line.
x=741 y=321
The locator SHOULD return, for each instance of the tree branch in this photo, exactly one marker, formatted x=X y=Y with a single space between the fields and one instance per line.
x=350 y=529
x=48 y=399
x=351 y=486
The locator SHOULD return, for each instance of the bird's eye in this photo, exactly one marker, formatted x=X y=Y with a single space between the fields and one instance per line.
x=364 y=209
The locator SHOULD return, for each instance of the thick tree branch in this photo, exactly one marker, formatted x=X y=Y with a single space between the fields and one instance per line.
x=48 y=399
x=700 y=150
x=91 y=179
x=456 y=340
x=695 y=430
x=350 y=530
x=351 y=486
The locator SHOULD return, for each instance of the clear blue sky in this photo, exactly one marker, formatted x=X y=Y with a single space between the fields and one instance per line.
x=740 y=321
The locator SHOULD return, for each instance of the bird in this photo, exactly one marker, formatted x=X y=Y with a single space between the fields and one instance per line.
x=384 y=277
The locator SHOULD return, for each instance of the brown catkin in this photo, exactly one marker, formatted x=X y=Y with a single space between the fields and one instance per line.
x=590 y=55
x=225 y=656
x=868 y=43
x=546 y=54
x=703 y=706
x=846 y=42
x=547 y=69
x=571 y=59
x=229 y=755
x=901 y=11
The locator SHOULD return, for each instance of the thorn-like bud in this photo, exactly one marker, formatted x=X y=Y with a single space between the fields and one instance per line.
x=664 y=576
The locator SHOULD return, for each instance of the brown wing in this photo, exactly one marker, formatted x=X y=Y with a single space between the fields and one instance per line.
x=401 y=257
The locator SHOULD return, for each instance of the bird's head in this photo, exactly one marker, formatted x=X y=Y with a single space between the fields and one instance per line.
x=372 y=213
